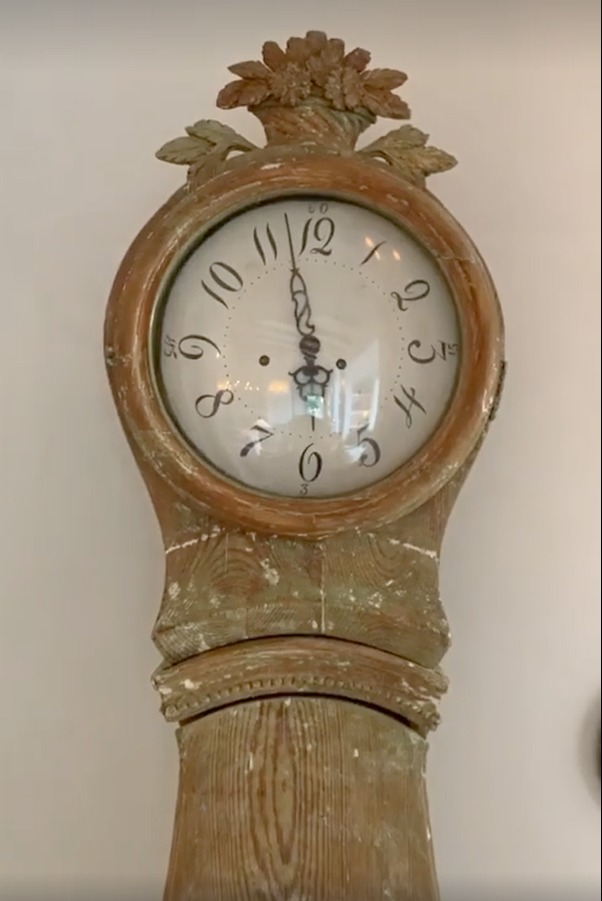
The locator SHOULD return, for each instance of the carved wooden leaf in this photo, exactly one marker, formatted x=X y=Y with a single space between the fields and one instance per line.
x=406 y=150
x=206 y=145
x=243 y=93
x=299 y=50
x=384 y=103
x=357 y=59
x=316 y=41
x=250 y=69
x=384 y=79
x=333 y=53
x=229 y=95
x=273 y=56
x=214 y=132
x=183 y=151
x=406 y=136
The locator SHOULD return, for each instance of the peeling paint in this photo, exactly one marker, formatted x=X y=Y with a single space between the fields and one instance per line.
x=271 y=575
x=181 y=545
x=421 y=550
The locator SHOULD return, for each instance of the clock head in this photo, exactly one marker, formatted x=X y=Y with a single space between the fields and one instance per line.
x=303 y=339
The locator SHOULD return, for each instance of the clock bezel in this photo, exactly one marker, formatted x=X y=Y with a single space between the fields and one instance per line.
x=164 y=242
x=162 y=301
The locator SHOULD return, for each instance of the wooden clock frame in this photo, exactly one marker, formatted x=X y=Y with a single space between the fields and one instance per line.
x=301 y=637
x=165 y=241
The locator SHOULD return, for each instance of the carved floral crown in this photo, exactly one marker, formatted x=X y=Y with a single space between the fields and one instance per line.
x=313 y=95
x=316 y=67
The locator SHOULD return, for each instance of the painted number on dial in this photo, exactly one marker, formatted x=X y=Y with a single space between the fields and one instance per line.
x=442 y=350
x=310 y=464
x=371 y=450
x=415 y=290
x=261 y=434
x=316 y=237
x=321 y=231
x=190 y=347
x=224 y=278
x=265 y=243
x=408 y=403
x=207 y=405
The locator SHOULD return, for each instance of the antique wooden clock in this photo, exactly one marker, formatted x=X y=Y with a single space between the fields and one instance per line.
x=305 y=350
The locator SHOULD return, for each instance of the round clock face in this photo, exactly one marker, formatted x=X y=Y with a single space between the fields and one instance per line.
x=307 y=347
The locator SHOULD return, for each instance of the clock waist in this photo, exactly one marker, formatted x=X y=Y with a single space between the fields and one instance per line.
x=403 y=619
x=289 y=665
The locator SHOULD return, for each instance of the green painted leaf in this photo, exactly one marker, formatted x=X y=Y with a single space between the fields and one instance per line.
x=406 y=150
x=183 y=151
x=206 y=138
x=214 y=132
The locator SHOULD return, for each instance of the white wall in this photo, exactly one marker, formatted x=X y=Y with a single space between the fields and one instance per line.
x=88 y=91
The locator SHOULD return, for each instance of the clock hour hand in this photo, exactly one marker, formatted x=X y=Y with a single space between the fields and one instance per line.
x=300 y=299
x=311 y=379
x=298 y=290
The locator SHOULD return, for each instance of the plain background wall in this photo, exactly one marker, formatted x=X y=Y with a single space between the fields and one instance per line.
x=88 y=91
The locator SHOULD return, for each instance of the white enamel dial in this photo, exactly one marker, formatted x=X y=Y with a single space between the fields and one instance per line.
x=307 y=347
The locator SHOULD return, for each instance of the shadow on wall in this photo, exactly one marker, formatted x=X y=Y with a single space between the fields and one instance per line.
x=590 y=750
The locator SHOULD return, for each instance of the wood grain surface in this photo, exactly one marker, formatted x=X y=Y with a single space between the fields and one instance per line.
x=301 y=798
x=380 y=588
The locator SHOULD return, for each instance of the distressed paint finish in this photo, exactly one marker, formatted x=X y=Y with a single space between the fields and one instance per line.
x=301 y=638
x=378 y=587
x=301 y=798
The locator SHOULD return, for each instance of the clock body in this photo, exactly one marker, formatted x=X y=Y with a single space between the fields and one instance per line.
x=306 y=347
x=305 y=350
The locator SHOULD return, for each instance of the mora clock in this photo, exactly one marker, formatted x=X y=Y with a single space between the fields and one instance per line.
x=305 y=350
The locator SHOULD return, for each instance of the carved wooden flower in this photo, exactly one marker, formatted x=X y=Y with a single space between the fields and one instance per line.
x=316 y=66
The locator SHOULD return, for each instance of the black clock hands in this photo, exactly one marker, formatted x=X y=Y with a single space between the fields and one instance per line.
x=299 y=295
x=311 y=380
